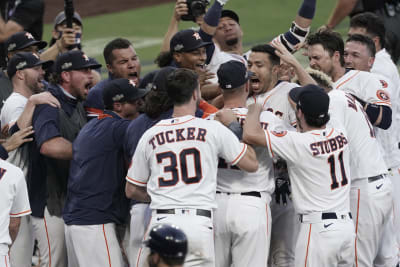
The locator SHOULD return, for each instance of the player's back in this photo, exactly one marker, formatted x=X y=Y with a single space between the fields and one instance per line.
x=366 y=157
x=183 y=156
x=276 y=101
x=233 y=180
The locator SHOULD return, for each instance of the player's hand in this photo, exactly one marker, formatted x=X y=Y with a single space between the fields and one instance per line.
x=226 y=117
x=282 y=182
x=67 y=39
x=181 y=9
x=18 y=139
x=283 y=53
x=286 y=72
x=204 y=77
x=4 y=131
x=45 y=98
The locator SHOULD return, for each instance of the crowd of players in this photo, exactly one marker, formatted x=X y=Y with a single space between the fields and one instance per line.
x=220 y=157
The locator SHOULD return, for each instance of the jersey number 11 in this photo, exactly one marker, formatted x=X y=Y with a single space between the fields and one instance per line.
x=331 y=162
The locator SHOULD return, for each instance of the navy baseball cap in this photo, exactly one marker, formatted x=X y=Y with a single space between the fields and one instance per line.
x=25 y=60
x=122 y=90
x=232 y=74
x=161 y=77
x=186 y=40
x=60 y=18
x=74 y=60
x=311 y=99
x=21 y=40
x=230 y=14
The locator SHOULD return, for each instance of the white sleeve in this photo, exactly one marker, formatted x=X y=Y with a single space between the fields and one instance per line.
x=138 y=173
x=373 y=91
x=20 y=206
x=230 y=148
x=281 y=144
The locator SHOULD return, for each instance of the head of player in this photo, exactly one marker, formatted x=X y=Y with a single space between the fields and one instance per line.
x=264 y=65
x=326 y=53
x=168 y=246
x=312 y=105
x=188 y=50
x=121 y=60
x=22 y=42
x=371 y=25
x=184 y=90
x=124 y=98
x=233 y=80
x=228 y=33
x=60 y=27
x=26 y=72
x=73 y=72
x=323 y=81
x=359 y=52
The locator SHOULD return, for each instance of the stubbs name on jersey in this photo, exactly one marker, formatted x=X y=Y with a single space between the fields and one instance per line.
x=328 y=146
x=178 y=135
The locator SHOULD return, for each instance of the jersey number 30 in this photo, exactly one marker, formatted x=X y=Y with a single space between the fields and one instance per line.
x=331 y=162
x=179 y=165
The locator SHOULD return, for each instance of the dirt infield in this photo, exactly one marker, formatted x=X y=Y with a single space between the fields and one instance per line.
x=96 y=7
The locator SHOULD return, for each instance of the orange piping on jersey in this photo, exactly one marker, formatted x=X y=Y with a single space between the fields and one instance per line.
x=108 y=251
x=330 y=133
x=383 y=102
x=355 y=242
x=175 y=123
x=23 y=212
x=266 y=99
x=315 y=133
x=269 y=143
x=48 y=240
x=94 y=110
x=348 y=79
x=255 y=99
x=144 y=238
x=135 y=181
x=308 y=245
x=243 y=150
x=266 y=210
x=5 y=260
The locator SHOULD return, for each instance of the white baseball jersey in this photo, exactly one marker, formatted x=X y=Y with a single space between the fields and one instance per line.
x=219 y=57
x=12 y=109
x=14 y=201
x=233 y=180
x=276 y=101
x=384 y=65
x=318 y=166
x=366 y=157
x=178 y=158
x=364 y=85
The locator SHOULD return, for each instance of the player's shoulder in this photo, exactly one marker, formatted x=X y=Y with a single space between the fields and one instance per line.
x=286 y=86
x=6 y=168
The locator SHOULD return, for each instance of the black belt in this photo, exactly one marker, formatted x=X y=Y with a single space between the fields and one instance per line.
x=327 y=216
x=251 y=194
x=375 y=178
x=199 y=212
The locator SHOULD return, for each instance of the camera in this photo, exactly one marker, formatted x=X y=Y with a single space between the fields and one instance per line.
x=195 y=9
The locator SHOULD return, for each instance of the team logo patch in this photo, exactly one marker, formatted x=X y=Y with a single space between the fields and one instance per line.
x=382 y=95
x=196 y=35
x=279 y=134
x=384 y=83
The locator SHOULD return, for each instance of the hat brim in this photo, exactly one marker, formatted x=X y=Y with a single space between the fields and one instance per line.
x=39 y=44
x=141 y=92
x=45 y=64
x=202 y=44
x=89 y=66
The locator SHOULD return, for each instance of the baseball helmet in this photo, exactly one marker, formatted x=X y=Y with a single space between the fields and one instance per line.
x=169 y=241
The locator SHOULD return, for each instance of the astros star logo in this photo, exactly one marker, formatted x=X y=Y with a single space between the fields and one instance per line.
x=197 y=36
x=28 y=35
x=85 y=57
x=132 y=83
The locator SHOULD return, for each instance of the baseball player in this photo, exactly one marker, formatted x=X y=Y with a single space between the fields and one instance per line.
x=181 y=155
x=14 y=204
x=168 y=246
x=243 y=218
x=318 y=163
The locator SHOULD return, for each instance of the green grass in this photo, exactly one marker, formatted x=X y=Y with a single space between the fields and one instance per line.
x=261 y=20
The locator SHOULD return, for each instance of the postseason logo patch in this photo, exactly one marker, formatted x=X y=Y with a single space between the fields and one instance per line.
x=279 y=134
x=382 y=95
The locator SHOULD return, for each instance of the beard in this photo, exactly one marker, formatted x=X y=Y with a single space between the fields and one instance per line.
x=231 y=42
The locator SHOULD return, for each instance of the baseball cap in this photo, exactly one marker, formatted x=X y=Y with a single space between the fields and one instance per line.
x=60 y=18
x=232 y=74
x=21 y=40
x=186 y=40
x=230 y=14
x=121 y=90
x=74 y=60
x=160 y=79
x=311 y=99
x=25 y=60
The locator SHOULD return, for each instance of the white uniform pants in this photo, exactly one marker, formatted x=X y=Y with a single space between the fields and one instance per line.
x=242 y=230
x=371 y=206
x=285 y=227
x=49 y=232
x=4 y=261
x=93 y=245
x=140 y=219
x=22 y=248
x=325 y=243
x=199 y=231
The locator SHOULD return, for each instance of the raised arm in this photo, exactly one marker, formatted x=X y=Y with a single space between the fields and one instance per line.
x=342 y=9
